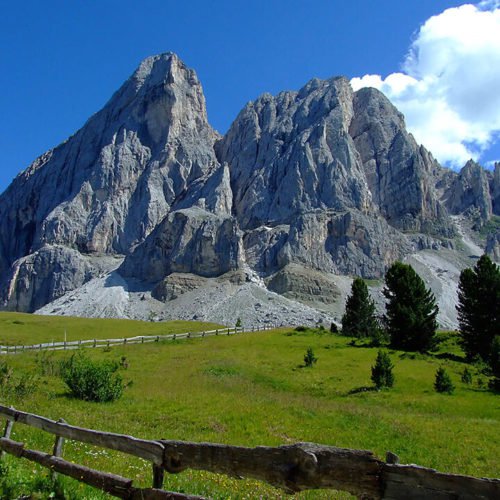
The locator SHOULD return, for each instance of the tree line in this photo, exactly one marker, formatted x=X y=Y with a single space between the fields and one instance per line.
x=410 y=319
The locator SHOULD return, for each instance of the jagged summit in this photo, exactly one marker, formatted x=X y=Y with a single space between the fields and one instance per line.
x=317 y=182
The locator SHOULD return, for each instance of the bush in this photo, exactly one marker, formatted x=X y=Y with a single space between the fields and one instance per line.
x=238 y=323
x=310 y=358
x=334 y=328
x=382 y=375
x=92 y=380
x=467 y=376
x=443 y=382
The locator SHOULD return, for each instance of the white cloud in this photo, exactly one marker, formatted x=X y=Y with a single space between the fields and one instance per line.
x=449 y=86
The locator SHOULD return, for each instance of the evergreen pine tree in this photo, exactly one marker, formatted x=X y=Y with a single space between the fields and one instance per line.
x=443 y=382
x=310 y=358
x=359 y=318
x=382 y=375
x=411 y=309
x=479 y=307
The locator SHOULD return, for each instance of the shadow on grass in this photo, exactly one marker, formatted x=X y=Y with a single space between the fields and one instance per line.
x=451 y=357
x=360 y=390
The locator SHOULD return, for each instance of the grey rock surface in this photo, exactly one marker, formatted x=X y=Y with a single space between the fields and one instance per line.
x=470 y=193
x=109 y=185
x=190 y=240
x=306 y=190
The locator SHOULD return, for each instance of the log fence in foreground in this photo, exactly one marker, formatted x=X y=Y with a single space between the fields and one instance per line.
x=141 y=339
x=292 y=468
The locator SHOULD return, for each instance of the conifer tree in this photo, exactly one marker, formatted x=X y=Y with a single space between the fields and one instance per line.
x=359 y=318
x=479 y=307
x=443 y=382
x=411 y=309
x=382 y=375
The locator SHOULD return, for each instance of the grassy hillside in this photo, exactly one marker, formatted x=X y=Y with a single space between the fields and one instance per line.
x=19 y=328
x=252 y=390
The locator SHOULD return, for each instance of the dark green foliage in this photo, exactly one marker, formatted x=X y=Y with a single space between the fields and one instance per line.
x=359 y=318
x=494 y=383
x=411 y=310
x=310 y=358
x=13 y=386
x=238 y=323
x=382 y=375
x=92 y=380
x=334 y=328
x=479 y=307
x=467 y=376
x=495 y=356
x=443 y=382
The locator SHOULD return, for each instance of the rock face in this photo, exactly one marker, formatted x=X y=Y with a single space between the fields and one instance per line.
x=400 y=174
x=470 y=192
x=304 y=183
x=109 y=185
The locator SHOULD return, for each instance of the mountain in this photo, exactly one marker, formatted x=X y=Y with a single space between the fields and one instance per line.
x=148 y=207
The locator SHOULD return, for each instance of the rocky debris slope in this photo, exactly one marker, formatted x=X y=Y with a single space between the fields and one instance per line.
x=304 y=190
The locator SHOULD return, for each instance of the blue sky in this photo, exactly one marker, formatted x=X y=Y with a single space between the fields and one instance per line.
x=62 y=60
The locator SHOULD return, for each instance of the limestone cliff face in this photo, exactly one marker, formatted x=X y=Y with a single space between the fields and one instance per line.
x=109 y=185
x=292 y=153
x=400 y=173
x=470 y=192
x=321 y=180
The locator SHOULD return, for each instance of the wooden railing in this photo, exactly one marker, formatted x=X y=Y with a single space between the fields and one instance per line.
x=292 y=468
x=142 y=339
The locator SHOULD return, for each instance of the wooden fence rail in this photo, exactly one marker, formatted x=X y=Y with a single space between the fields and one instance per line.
x=141 y=339
x=292 y=468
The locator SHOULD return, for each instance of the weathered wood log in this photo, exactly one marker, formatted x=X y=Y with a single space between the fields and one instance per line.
x=149 y=450
x=58 y=447
x=113 y=484
x=7 y=432
x=413 y=482
x=293 y=468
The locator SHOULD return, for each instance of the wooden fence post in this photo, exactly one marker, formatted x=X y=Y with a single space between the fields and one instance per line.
x=7 y=431
x=158 y=475
x=95 y=343
x=58 y=448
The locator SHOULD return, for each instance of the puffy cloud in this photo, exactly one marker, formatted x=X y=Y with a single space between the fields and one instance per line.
x=449 y=86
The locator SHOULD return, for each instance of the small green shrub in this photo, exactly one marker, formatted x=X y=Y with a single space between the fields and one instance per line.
x=467 y=376
x=443 y=382
x=16 y=386
x=382 y=375
x=238 y=323
x=334 y=328
x=92 y=380
x=309 y=358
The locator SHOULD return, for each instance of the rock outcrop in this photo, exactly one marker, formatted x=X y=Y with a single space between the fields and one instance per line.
x=470 y=193
x=318 y=182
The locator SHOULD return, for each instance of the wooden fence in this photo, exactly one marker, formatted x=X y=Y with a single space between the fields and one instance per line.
x=142 y=339
x=293 y=468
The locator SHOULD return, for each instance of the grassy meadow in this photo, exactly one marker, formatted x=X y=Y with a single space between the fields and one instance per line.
x=20 y=328
x=251 y=390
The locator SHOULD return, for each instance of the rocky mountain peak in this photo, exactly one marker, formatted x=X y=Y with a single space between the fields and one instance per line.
x=319 y=180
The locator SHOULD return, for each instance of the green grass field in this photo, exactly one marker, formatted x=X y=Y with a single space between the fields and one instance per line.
x=25 y=329
x=250 y=390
